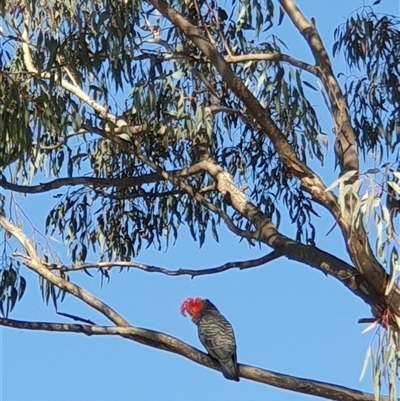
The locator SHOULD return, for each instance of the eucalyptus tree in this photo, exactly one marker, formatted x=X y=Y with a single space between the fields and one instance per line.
x=146 y=117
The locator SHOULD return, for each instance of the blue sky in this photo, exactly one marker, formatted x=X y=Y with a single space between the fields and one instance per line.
x=287 y=317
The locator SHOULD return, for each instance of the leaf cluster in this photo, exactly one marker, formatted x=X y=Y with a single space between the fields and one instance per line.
x=370 y=44
x=12 y=285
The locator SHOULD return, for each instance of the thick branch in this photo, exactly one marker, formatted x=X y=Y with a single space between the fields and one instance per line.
x=311 y=183
x=356 y=239
x=266 y=232
x=171 y=344
x=346 y=140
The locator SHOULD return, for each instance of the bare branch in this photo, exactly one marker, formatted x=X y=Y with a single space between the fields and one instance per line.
x=247 y=264
x=98 y=182
x=346 y=140
x=171 y=344
x=74 y=181
x=272 y=57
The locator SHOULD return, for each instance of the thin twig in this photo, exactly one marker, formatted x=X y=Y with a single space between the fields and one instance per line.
x=247 y=264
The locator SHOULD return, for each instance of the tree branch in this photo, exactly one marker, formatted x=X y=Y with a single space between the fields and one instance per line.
x=74 y=181
x=32 y=261
x=286 y=152
x=98 y=182
x=266 y=232
x=272 y=57
x=247 y=264
x=176 y=179
x=356 y=240
x=171 y=344
x=310 y=182
x=346 y=140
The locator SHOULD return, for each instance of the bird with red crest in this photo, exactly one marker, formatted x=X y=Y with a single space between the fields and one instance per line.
x=215 y=333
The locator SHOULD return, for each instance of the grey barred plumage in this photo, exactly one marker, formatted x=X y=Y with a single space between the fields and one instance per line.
x=215 y=333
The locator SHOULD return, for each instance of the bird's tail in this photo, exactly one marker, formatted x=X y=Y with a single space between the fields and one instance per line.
x=229 y=369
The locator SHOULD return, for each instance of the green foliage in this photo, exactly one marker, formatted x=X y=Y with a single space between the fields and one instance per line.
x=112 y=48
x=371 y=44
x=50 y=292
x=384 y=360
x=108 y=48
x=15 y=133
x=373 y=196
